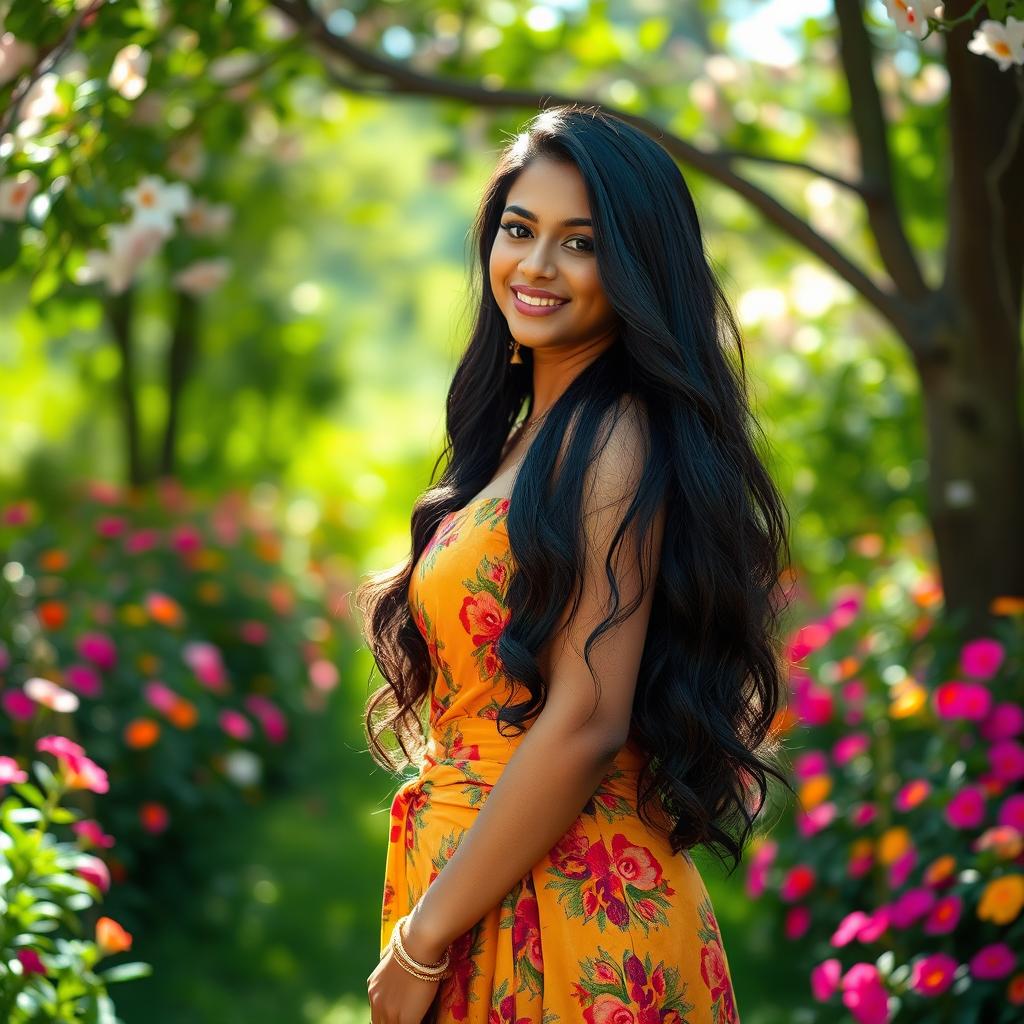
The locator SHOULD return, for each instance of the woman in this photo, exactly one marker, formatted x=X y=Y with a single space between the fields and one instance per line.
x=587 y=621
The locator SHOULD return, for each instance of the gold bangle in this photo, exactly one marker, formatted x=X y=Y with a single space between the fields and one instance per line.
x=425 y=972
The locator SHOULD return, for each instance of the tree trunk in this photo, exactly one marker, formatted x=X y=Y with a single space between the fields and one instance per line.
x=179 y=364
x=119 y=310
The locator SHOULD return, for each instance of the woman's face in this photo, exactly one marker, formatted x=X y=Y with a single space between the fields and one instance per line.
x=545 y=244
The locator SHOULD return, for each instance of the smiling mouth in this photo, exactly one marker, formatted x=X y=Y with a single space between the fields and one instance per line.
x=537 y=302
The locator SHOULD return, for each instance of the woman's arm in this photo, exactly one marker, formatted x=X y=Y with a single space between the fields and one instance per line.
x=560 y=761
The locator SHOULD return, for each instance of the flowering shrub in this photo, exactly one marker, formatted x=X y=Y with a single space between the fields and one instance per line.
x=903 y=872
x=45 y=885
x=185 y=645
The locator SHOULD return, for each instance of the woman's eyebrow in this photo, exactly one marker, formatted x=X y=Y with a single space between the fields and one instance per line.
x=572 y=222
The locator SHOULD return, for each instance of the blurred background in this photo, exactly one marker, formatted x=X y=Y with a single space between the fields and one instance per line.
x=233 y=288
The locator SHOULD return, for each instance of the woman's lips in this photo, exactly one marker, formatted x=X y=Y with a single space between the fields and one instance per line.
x=528 y=310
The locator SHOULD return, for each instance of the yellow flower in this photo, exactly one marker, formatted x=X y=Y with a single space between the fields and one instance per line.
x=892 y=844
x=1002 y=899
x=814 y=790
x=133 y=615
x=908 y=697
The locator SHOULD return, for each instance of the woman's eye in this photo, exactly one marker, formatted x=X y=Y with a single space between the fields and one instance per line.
x=511 y=225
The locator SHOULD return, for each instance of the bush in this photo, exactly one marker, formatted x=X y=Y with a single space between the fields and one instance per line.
x=45 y=886
x=185 y=643
x=901 y=871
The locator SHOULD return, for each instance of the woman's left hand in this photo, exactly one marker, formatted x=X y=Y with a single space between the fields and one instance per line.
x=396 y=996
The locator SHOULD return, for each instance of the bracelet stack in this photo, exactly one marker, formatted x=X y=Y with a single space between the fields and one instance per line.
x=425 y=972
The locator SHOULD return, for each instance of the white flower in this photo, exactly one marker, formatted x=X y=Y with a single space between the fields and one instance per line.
x=14 y=56
x=15 y=194
x=128 y=73
x=50 y=695
x=41 y=100
x=156 y=203
x=202 y=276
x=912 y=15
x=130 y=245
x=1003 y=43
x=243 y=767
x=188 y=159
x=203 y=218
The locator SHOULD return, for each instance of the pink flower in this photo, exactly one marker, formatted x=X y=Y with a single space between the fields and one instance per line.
x=1011 y=812
x=844 y=611
x=50 y=695
x=850 y=746
x=160 y=696
x=324 y=675
x=825 y=979
x=911 y=794
x=899 y=869
x=140 y=541
x=876 y=924
x=966 y=809
x=205 y=661
x=10 y=771
x=99 y=649
x=235 y=724
x=798 y=882
x=813 y=821
x=92 y=869
x=91 y=832
x=813 y=704
x=186 y=539
x=59 y=746
x=992 y=962
x=798 y=920
x=85 y=679
x=30 y=962
x=981 y=658
x=82 y=772
x=810 y=763
x=849 y=928
x=864 y=994
x=1006 y=759
x=863 y=814
x=1004 y=721
x=944 y=915
x=972 y=701
x=931 y=975
x=808 y=639
x=253 y=632
x=910 y=905
x=17 y=705
x=760 y=861
x=111 y=526
x=269 y=715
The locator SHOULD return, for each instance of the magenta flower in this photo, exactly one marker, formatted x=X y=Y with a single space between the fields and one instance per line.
x=966 y=809
x=972 y=701
x=59 y=746
x=99 y=649
x=253 y=632
x=825 y=979
x=10 y=771
x=931 y=975
x=91 y=832
x=981 y=658
x=813 y=821
x=810 y=763
x=235 y=724
x=186 y=539
x=863 y=814
x=94 y=870
x=850 y=746
x=761 y=860
x=844 y=611
x=140 y=541
x=797 y=921
x=808 y=639
x=30 y=962
x=1004 y=721
x=993 y=962
x=111 y=526
x=813 y=704
x=849 y=928
x=205 y=661
x=1011 y=812
x=899 y=869
x=84 y=679
x=18 y=705
x=160 y=696
x=876 y=924
x=269 y=715
x=944 y=915
x=1006 y=759
x=864 y=994
x=797 y=883
x=910 y=905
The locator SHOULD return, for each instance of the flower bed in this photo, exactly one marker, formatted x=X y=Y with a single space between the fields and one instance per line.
x=901 y=874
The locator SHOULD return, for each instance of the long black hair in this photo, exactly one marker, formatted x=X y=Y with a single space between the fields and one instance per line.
x=711 y=678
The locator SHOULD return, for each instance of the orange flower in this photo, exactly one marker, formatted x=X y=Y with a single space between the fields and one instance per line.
x=1007 y=604
x=183 y=715
x=814 y=790
x=267 y=548
x=52 y=614
x=54 y=560
x=111 y=937
x=940 y=869
x=1002 y=899
x=1015 y=990
x=861 y=848
x=908 y=697
x=154 y=816
x=892 y=844
x=141 y=733
x=164 y=610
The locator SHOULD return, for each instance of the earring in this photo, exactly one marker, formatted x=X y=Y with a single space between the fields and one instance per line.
x=516 y=357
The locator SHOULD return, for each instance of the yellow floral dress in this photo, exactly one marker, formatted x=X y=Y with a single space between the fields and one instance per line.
x=611 y=927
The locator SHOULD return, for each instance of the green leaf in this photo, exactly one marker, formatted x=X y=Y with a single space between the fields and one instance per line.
x=10 y=244
x=29 y=792
x=126 y=972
